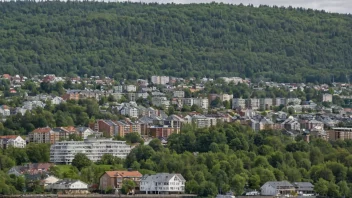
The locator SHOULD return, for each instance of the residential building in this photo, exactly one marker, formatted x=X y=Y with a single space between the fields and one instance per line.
x=162 y=131
x=65 y=132
x=68 y=186
x=162 y=183
x=291 y=124
x=132 y=96
x=327 y=97
x=44 y=135
x=71 y=95
x=253 y=103
x=265 y=103
x=12 y=141
x=202 y=121
x=161 y=102
x=130 y=88
x=48 y=181
x=5 y=111
x=238 y=103
x=201 y=102
x=179 y=94
x=160 y=80
x=340 y=133
x=304 y=188
x=235 y=80
x=274 y=188
x=30 y=169
x=114 y=179
x=65 y=151
x=108 y=127
x=225 y=97
x=129 y=111
x=84 y=132
x=57 y=100
x=319 y=132
x=143 y=95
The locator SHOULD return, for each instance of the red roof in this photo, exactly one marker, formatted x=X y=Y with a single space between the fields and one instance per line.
x=8 y=137
x=7 y=76
x=123 y=173
x=42 y=130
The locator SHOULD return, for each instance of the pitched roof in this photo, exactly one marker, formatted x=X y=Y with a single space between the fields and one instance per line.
x=42 y=130
x=162 y=177
x=277 y=184
x=8 y=137
x=123 y=173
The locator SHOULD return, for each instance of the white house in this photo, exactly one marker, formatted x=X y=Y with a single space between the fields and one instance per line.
x=12 y=140
x=129 y=111
x=4 y=111
x=84 y=132
x=162 y=183
x=57 y=100
x=130 y=88
x=274 y=188
x=69 y=187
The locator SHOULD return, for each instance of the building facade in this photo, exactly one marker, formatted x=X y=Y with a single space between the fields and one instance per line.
x=114 y=179
x=12 y=141
x=162 y=183
x=65 y=151
x=44 y=135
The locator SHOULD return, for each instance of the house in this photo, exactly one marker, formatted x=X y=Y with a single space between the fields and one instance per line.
x=30 y=169
x=291 y=124
x=5 y=111
x=161 y=102
x=304 y=188
x=114 y=179
x=57 y=100
x=49 y=180
x=129 y=111
x=84 y=132
x=43 y=135
x=179 y=94
x=340 y=133
x=67 y=186
x=12 y=140
x=162 y=183
x=274 y=188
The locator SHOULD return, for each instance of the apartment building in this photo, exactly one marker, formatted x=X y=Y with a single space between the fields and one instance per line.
x=44 y=135
x=161 y=102
x=340 y=133
x=238 y=103
x=179 y=94
x=65 y=151
x=65 y=132
x=160 y=80
x=201 y=102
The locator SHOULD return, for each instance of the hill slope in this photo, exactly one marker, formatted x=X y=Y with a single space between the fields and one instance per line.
x=138 y=40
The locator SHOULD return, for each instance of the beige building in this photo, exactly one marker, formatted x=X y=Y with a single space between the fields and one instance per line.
x=340 y=133
x=44 y=135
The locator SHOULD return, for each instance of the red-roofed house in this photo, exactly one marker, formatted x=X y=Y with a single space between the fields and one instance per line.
x=113 y=179
x=44 y=135
x=6 y=76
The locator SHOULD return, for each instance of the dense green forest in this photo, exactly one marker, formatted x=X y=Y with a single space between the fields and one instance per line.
x=133 y=40
x=226 y=157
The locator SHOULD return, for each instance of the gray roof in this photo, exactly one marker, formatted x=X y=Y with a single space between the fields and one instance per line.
x=277 y=184
x=162 y=177
x=304 y=186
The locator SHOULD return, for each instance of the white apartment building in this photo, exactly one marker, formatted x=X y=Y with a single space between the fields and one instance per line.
x=65 y=151
x=203 y=122
x=160 y=80
x=129 y=111
x=162 y=183
x=130 y=88
x=201 y=102
x=179 y=94
x=266 y=103
x=161 y=101
x=12 y=140
x=327 y=97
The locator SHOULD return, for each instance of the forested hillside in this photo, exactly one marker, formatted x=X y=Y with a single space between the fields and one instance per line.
x=132 y=40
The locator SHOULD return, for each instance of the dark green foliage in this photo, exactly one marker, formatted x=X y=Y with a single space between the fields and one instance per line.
x=213 y=40
x=80 y=161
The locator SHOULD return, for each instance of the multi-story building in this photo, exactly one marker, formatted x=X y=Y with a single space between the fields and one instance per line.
x=160 y=80
x=340 y=133
x=203 y=121
x=12 y=141
x=265 y=103
x=238 y=103
x=201 y=102
x=130 y=88
x=162 y=183
x=114 y=179
x=129 y=111
x=327 y=97
x=254 y=103
x=84 y=132
x=65 y=151
x=108 y=127
x=179 y=94
x=44 y=135
x=65 y=132
x=161 y=102
x=162 y=131
x=71 y=95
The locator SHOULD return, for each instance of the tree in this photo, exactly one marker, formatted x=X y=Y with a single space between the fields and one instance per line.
x=133 y=138
x=80 y=161
x=128 y=186
x=156 y=145
x=238 y=183
x=321 y=187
